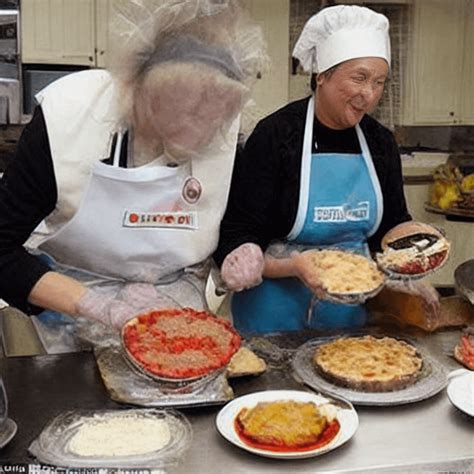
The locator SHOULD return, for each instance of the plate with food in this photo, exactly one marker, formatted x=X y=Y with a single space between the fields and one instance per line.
x=413 y=250
x=286 y=424
x=369 y=370
x=345 y=277
x=179 y=345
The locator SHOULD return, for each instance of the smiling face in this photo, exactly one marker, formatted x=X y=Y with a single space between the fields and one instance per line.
x=351 y=90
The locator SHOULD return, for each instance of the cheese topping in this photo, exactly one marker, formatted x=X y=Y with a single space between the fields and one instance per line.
x=396 y=259
x=119 y=435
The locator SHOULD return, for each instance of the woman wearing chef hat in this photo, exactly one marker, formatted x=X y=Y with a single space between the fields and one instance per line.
x=127 y=172
x=320 y=172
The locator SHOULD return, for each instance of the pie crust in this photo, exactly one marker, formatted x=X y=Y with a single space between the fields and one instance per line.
x=369 y=364
x=179 y=343
x=345 y=272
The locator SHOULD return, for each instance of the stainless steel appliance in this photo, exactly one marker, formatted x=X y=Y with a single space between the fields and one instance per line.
x=10 y=62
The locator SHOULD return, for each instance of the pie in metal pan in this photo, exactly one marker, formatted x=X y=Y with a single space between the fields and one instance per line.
x=345 y=277
x=179 y=345
x=413 y=250
x=369 y=363
x=417 y=378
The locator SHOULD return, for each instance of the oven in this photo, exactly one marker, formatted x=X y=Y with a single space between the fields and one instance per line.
x=10 y=63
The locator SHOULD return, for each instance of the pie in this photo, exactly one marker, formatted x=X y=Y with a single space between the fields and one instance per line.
x=413 y=248
x=345 y=272
x=368 y=363
x=287 y=425
x=412 y=261
x=245 y=362
x=179 y=343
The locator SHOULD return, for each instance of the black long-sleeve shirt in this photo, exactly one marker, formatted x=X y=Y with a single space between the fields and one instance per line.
x=28 y=194
x=264 y=194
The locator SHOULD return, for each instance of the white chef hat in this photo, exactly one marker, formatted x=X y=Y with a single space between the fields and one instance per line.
x=340 y=33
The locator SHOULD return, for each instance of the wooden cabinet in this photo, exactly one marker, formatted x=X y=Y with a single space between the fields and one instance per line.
x=439 y=85
x=58 y=32
x=271 y=91
x=76 y=32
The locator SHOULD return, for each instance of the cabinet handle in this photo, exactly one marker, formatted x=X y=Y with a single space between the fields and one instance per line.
x=451 y=113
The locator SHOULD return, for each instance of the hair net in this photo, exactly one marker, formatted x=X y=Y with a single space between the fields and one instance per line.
x=209 y=33
x=340 y=33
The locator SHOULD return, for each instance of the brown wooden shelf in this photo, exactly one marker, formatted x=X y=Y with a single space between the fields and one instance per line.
x=452 y=213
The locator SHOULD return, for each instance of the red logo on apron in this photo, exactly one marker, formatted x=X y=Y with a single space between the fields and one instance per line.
x=192 y=190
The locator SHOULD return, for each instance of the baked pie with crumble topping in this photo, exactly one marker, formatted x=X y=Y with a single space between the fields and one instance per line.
x=368 y=363
x=345 y=273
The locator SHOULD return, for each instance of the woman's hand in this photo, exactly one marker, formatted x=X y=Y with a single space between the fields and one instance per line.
x=307 y=273
x=115 y=311
x=243 y=267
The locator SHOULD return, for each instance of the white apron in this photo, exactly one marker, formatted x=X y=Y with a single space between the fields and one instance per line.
x=137 y=225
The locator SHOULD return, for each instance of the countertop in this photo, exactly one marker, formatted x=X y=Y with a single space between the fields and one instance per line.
x=427 y=436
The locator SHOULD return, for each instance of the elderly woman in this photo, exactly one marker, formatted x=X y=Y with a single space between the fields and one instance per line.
x=320 y=172
x=123 y=176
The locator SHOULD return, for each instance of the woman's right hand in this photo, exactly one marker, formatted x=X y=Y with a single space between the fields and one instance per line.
x=243 y=267
x=307 y=274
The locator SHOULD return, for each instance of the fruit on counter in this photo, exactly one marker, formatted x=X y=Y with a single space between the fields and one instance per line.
x=444 y=194
x=446 y=190
x=467 y=183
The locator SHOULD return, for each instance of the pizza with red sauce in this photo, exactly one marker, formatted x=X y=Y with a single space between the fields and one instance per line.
x=179 y=343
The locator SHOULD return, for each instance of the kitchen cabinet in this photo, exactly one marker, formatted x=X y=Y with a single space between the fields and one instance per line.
x=58 y=32
x=439 y=84
x=76 y=32
x=271 y=91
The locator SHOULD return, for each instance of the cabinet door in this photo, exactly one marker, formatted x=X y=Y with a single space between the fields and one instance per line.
x=271 y=91
x=438 y=45
x=58 y=31
x=467 y=91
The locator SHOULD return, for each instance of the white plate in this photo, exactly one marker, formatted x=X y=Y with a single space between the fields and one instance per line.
x=461 y=392
x=7 y=432
x=347 y=418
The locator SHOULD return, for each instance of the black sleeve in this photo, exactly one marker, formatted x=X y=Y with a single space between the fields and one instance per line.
x=389 y=169
x=27 y=195
x=255 y=183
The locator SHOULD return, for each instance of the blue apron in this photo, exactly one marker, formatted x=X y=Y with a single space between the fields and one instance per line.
x=340 y=205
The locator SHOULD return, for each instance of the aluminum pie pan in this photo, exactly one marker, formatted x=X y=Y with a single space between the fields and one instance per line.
x=136 y=366
x=178 y=381
x=432 y=379
x=352 y=298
